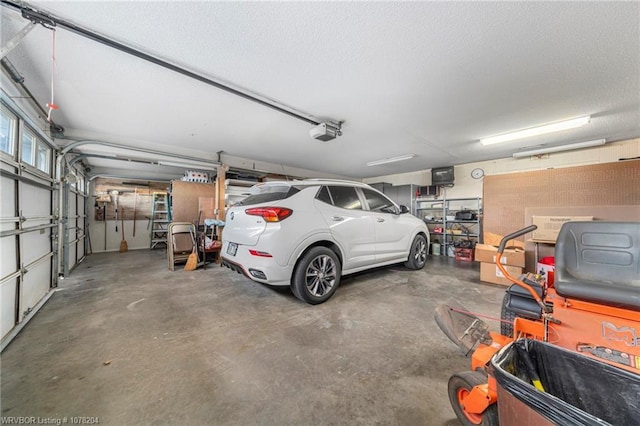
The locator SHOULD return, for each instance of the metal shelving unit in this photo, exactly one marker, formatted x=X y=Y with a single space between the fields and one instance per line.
x=439 y=215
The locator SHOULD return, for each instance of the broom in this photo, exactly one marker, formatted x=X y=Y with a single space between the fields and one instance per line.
x=123 y=244
x=192 y=261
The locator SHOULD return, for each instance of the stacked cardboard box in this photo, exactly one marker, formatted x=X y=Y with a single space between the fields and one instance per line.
x=512 y=258
x=549 y=226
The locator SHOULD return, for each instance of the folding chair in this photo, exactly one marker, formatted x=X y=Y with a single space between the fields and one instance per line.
x=181 y=242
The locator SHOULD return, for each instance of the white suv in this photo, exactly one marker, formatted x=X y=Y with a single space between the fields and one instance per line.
x=306 y=234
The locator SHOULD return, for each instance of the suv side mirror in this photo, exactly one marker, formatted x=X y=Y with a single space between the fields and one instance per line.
x=404 y=209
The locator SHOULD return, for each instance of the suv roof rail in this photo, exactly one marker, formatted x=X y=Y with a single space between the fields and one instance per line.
x=334 y=180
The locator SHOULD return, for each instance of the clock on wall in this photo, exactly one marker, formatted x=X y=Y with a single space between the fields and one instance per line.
x=477 y=173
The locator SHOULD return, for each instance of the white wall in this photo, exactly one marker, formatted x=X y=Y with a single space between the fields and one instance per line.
x=466 y=186
x=142 y=239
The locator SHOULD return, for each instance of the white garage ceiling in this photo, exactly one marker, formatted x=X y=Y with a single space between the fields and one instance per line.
x=426 y=78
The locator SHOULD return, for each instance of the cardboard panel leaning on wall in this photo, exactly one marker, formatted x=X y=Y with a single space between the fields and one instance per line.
x=549 y=226
x=610 y=186
x=185 y=199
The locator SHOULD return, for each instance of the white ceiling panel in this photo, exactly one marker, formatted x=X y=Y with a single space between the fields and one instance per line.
x=428 y=78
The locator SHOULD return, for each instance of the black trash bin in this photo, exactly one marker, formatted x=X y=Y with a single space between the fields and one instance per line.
x=578 y=390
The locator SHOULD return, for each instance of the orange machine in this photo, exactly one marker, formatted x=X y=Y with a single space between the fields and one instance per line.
x=593 y=308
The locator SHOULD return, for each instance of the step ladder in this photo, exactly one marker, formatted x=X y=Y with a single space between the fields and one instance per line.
x=160 y=219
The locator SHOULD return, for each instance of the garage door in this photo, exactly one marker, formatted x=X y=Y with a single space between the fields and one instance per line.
x=75 y=245
x=27 y=220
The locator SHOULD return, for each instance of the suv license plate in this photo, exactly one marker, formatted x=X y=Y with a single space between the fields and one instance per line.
x=232 y=248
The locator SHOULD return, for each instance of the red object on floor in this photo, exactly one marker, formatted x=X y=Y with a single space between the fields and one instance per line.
x=464 y=254
x=547 y=267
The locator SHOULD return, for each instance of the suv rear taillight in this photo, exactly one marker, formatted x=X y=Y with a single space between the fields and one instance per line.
x=270 y=214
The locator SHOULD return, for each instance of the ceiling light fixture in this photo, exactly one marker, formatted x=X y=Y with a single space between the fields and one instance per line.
x=390 y=160
x=536 y=131
x=199 y=166
x=560 y=148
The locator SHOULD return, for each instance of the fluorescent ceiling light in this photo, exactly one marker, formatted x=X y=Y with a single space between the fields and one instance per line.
x=560 y=148
x=535 y=131
x=200 y=166
x=390 y=160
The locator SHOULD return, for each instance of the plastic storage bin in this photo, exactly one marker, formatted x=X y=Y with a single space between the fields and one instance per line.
x=464 y=254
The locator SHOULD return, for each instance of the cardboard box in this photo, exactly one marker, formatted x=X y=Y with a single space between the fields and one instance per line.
x=512 y=257
x=490 y=273
x=549 y=226
x=494 y=240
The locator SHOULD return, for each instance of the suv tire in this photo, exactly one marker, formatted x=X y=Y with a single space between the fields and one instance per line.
x=418 y=253
x=316 y=276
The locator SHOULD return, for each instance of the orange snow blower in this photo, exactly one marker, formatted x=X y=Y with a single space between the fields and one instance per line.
x=593 y=310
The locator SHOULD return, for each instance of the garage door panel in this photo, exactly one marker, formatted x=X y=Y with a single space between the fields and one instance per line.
x=81 y=227
x=73 y=235
x=7 y=307
x=80 y=248
x=35 y=244
x=73 y=232
x=8 y=258
x=25 y=192
x=81 y=213
x=72 y=204
x=32 y=223
x=81 y=205
x=34 y=201
x=72 y=255
x=82 y=239
x=7 y=202
x=36 y=284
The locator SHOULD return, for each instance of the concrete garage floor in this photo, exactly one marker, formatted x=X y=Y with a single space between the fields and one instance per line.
x=126 y=341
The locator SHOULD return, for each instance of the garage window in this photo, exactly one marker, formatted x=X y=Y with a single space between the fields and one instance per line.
x=35 y=152
x=7 y=131
x=28 y=144
x=43 y=157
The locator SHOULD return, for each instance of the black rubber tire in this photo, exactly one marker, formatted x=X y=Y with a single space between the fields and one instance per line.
x=317 y=257
x=506 y=329
x=464 y=382
x=418 y=253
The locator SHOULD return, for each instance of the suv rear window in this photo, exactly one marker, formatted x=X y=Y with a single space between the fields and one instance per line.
x=267 y=194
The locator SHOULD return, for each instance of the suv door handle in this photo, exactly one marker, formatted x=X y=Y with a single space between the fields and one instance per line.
x=380 y=219
x=337 y=218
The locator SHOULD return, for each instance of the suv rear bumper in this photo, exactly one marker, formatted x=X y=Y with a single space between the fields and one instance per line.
x=263 y=270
